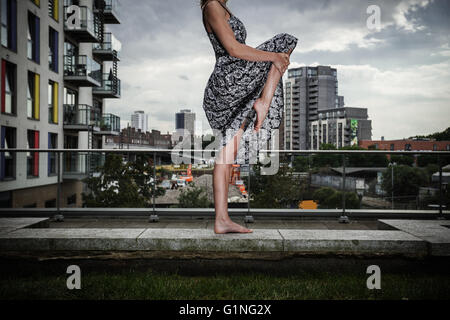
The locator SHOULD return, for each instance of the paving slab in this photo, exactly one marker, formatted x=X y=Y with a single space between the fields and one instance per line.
x=434 y=232
x=70 y=239
x=353 y=242
x=19 y=223
x=207 y=240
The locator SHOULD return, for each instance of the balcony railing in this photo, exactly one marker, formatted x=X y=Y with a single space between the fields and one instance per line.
x=81 y=24
x=109 y=50
x=82 y=71
x=315 y=168
x=80 y=117
x=110 y=87
x=109 y=124
x=80 y=165
x=110 y=10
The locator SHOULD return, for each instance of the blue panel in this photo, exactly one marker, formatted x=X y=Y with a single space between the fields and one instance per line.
x=50 y=147
x=13 y=26
x=55 y=43
x=38 y=41
x=2 y=154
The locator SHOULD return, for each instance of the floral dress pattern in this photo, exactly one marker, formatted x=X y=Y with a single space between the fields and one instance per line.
x=233 y=88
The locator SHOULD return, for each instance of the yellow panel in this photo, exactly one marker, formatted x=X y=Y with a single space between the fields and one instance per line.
x=55 y=102
x=56 y=10
x=37 y=90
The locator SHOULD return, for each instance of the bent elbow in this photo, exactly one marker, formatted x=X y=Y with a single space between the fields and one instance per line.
x=233 y=51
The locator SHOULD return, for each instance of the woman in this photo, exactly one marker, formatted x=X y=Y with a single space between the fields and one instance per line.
x=243 y=95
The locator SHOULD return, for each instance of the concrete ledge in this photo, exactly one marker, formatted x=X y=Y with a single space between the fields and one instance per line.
x=353 y=241
x=434 y=232
x=10 y=224
x=207 y=240
x=320 y=242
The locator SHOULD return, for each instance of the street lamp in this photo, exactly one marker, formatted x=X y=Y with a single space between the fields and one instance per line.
x=391 y=165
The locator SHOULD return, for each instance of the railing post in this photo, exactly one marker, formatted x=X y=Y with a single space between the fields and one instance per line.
x=343 y=218
x=249 y=218
x=441 y=216
x=58 y=217
x=154 y=217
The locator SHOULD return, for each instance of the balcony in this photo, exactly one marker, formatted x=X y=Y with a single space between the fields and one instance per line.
x=88 y=29
x=109 y=50
x=109 y=125
x=109 y=87
x=110 y=10
x=82 y=71
x=78 y=166
x=81 y=118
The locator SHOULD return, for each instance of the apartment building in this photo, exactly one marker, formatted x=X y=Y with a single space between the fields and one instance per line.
x=341 y=127
x=308 y=90
x=139 y=120
x=58 y=65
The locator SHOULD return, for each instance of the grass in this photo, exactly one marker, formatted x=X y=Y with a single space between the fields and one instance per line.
x=149 y=284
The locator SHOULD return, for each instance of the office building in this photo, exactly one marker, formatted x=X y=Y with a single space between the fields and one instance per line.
x=139 y=120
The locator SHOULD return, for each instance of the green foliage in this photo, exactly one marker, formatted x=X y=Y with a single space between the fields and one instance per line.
x=407 y=160
x=193 y=197
x=329 y=198
x=121 y=185
x=407 y=180
x=439 y=136
x=281 y=190
x=364 y=160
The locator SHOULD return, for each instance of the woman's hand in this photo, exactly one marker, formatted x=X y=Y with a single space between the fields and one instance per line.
x=281 y=62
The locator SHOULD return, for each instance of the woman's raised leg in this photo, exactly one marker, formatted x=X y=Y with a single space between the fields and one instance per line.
x=262 y=104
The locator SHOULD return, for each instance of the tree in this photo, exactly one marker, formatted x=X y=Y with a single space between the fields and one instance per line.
x=281 y=190
x=329 y=198
x=122 y=185
x=193 y=197
x=407 y=180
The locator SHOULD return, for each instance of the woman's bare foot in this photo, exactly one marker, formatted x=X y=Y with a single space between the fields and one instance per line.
x=261 y=107
x=228 y=226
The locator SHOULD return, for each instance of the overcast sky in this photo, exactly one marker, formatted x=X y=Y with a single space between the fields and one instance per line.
x=400 y=72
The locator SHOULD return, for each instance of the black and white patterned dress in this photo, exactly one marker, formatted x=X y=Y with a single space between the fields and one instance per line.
x=233 y=88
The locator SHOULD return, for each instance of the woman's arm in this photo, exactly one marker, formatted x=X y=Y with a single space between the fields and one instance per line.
x=215 y=14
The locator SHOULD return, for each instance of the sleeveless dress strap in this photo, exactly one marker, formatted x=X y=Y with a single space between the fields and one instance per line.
x=204 y=6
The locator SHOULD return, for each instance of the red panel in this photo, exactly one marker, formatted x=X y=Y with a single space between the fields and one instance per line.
x=36 y=154
x=3 y=89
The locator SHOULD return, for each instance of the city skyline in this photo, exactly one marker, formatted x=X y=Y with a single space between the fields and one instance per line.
x=400 y=73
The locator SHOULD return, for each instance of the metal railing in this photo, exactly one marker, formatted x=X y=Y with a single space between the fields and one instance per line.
x=342 y=214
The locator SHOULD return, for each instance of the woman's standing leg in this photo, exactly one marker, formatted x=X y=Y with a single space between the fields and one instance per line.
x=262 y=104
x=221 y=177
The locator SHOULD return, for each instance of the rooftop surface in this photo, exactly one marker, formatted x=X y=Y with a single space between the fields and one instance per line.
x=418 y=238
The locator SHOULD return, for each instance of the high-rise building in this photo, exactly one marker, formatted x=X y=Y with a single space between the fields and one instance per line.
x=58 y=65
x=307 y=91
x=184 y=124
x=139 y=120
x=340 y=127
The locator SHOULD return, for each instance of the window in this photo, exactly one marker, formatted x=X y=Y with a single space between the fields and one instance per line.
x=72 y=200
x=52 y=144
x=8 y=159
x=33 y=40
x=33 y=96
x=392 y=147
x=50 y=203
x=9 y=24
x=32 y=157
x=53 y=102
x=53 y=9
x=8 y=87
x=435 y=147
x=407 y=147
x=53 y=49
